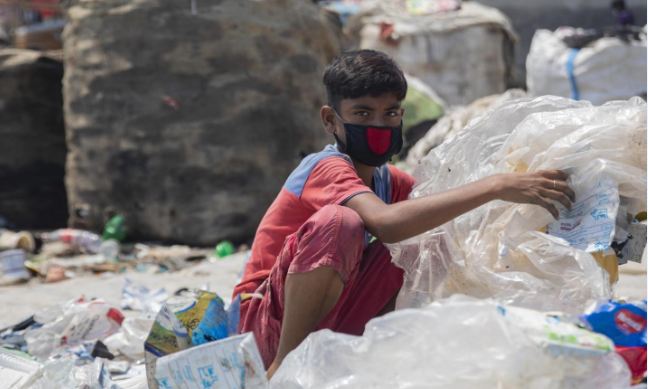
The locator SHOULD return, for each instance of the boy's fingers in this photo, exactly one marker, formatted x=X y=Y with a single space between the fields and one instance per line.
x=564 y=188
x=560 y=186
x=548 y=206
x=561 y=197
x=555 y=174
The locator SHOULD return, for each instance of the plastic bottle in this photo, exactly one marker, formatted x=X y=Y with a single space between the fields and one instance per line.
x=224 y=248
x=114 y=229
x=85 y=240
x=109 y=249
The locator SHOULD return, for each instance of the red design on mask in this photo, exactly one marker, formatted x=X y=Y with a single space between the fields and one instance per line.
x=379 y=139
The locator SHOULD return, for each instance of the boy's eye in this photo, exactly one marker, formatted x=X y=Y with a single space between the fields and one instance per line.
x=362 y=113
x=392 y=113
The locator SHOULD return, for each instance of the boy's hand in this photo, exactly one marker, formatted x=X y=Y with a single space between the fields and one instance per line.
x=538 y=188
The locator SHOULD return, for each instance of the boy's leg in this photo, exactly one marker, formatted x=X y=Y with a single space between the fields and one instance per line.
x=306 y=283
x=308 y=298
x=371 y=293
x=318 y=299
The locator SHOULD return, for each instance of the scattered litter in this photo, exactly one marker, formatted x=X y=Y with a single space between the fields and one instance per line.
x=223 y=249
x=17 y=369
x=168 y=258
x=187 y=319
x=625 y=325
x=230 y=363
x=633 y=246
x=12 y=267
x=115 y=229
x=67 y=373
x=72 y=324
x=100 y=350
x=17 y=240
x=129 y=340
x=135 y=378
x=85 y=240
x=140 y=298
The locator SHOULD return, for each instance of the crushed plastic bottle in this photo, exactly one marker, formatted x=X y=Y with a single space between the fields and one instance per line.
x=72 y=324
x=85 y=240
x=114 y=229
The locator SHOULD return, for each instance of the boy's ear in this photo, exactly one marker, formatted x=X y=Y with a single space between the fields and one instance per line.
x=327 y=114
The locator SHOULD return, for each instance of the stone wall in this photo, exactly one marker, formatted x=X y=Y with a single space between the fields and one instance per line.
x=188 y=121
x=32 y=140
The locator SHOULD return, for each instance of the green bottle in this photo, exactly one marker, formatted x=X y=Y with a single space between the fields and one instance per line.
x=114 y=229
x=224 y=248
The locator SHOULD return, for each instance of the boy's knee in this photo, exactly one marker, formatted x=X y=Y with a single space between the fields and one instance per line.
x=350 y=223
x=334 y=236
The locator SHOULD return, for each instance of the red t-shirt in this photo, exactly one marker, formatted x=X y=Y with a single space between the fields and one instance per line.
x=323 y=178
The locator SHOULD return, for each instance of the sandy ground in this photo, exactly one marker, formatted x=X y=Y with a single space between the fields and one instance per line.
x=218 y=275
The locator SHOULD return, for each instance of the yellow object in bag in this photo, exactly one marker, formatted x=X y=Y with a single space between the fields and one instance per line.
x=608 y=261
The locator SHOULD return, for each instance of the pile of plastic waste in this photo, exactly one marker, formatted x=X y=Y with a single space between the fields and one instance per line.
x=460 y=342
x=519 y=254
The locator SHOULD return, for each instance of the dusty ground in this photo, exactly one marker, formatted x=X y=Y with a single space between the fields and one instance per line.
x=20 y=301
x=219 y=275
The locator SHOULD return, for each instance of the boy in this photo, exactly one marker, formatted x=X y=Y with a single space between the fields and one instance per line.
x=318 y=259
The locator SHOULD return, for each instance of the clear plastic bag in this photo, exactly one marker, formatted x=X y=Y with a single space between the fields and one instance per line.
x=129 y=340
x=70 y=325
x=67 y=372
x=138 y=297
x=456 y=343
x=500 y=249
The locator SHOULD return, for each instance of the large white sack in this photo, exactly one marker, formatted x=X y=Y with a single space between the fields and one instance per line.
x=606 y=69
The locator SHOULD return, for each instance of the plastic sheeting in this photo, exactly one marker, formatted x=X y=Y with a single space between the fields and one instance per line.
x=500 y=250
x=453 y=122
x=456 y=343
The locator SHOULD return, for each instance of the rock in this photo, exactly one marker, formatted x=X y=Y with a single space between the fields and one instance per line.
x=189 y=123
x=32 y=140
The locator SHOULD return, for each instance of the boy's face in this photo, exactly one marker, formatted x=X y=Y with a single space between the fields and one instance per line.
x=380 y=111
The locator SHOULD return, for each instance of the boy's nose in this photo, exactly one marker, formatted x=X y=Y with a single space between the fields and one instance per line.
x=380 y=123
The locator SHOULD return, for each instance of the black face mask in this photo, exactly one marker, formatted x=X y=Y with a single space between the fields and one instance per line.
x=371 y=145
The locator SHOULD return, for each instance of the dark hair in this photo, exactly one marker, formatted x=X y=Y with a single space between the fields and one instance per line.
x=363 y=73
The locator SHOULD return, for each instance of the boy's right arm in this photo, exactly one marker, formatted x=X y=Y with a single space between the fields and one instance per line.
x=396 y=222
